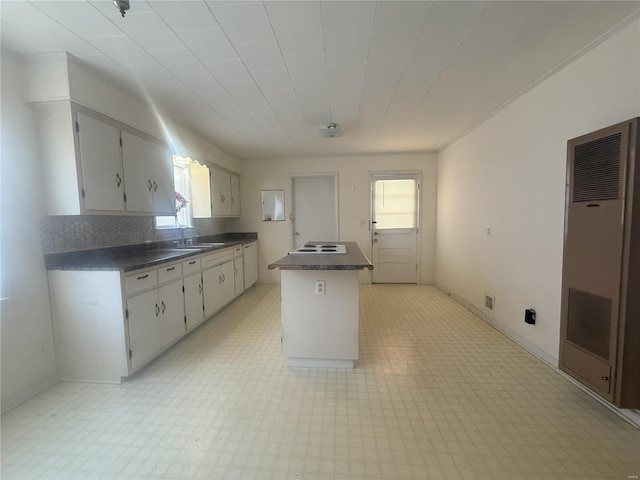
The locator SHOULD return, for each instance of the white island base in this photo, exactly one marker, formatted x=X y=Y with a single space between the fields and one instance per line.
x=320 y=330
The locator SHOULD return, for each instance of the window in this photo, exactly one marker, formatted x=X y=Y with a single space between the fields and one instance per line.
x=182 y=182
x=395 y=203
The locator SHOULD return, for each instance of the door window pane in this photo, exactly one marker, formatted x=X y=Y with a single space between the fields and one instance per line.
x=395 y=203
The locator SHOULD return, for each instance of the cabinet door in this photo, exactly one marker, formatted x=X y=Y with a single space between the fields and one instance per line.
x=211 y=285
x=171 y=312
x=164 y=196
x=235 y=195
x=228 y=285
x=220 y=193
x=193 y=306
x=200 y=190
x=239 y=275
x=250 y=264
x=135 y=156
x=144 y=327
x=148 y=169
x=101 y=162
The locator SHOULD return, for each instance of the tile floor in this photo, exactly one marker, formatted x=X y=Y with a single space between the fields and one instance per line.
x=437 y=394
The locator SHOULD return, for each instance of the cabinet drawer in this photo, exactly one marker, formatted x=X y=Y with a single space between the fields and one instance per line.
x=140 y=281
x=169 y=272
x=217 y=258
x=191 y=266
x=237 y=251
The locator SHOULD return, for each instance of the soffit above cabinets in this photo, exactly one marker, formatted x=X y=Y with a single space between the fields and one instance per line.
x=259 y=78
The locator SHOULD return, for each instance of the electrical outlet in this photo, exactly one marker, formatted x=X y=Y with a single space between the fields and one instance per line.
x=320 y=287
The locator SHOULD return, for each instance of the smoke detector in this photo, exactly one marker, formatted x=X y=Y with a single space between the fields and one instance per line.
x=332 y=130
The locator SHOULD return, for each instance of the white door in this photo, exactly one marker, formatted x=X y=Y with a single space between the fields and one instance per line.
x=101 y=159
x=394 y=228
x=315 y=209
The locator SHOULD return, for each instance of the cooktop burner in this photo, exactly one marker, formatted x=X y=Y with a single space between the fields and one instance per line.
x=320 y=248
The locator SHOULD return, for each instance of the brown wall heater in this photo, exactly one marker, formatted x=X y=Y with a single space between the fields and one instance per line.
x=600 y=318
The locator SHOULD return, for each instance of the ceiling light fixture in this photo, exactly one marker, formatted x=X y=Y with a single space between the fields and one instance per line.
x=122 y=6
x=332 y=130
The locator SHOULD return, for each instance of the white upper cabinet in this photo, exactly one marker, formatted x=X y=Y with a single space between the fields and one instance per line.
x=225 y=194
x=235 y=196
x=101 y=164
x=148 y=168
x=200 y=190
x=220 y=193
x=97 y=166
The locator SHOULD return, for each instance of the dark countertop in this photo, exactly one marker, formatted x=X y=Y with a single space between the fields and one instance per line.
x=354 y=259
x=134 y=257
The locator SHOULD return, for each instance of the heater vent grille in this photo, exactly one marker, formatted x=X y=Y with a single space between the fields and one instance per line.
x=596 y=169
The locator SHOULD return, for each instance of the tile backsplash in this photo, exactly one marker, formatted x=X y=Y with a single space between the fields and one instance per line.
x=75 y=232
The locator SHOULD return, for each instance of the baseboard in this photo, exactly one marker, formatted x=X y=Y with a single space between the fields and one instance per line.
x=631 y=416
x=11 y=401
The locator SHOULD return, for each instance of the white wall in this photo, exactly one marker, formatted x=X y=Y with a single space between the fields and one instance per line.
x=275 y=238
x=509 y=173
x=28 y=361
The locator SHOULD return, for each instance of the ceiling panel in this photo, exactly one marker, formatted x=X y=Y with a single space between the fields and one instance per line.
x=208 y=45
x=82 y=18
x=229 y=72
x=179 y=62
x=297 y=26
x=260 y=78
x=149 y=31
x=272 y=78
x=260 y=55
x=243 y=22
x=184 y=15
x=123 y=50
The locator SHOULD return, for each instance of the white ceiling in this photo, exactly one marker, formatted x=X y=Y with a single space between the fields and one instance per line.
x=259 y=78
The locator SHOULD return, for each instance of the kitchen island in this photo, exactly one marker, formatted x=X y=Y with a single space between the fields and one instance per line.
x=320 y=307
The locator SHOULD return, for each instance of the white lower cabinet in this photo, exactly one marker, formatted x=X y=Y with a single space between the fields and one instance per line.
x=239 y=275
x=193 y=304
x=108 y=324
x=250 y=264
x=156 y=320
x=144 y=330
x=172 y=316
x=218 y=287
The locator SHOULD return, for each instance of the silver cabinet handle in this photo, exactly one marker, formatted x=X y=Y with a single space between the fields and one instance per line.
x=200 y=289
x=141 y=277
x=164 y=307
x=170 y=268
x=118 y=180
x=193 y=262
x=149 y=185
x=157 y=310
x=155 y=186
